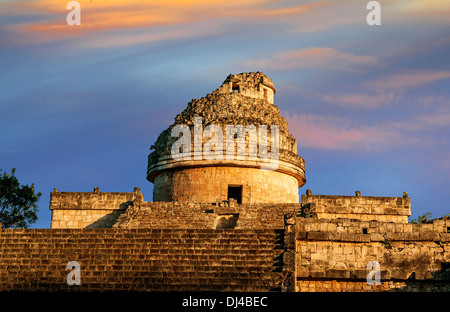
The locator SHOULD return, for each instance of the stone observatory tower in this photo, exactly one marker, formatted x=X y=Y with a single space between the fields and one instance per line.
x=231 y=144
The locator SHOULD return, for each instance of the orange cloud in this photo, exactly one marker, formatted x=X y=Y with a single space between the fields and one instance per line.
x=399 y=82
x=360 y=100
x=336 y=13
x=386 y=90
x=110 y=15
x=315 y=57
x=126 y=15
x=432 y=11
x=335 y=133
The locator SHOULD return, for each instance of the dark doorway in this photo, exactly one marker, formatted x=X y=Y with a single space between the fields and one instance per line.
x=235 y=192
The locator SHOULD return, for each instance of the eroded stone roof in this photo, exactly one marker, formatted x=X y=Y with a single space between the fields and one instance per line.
x=225 y=107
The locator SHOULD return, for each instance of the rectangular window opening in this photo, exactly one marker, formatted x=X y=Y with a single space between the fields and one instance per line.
x=235 y=192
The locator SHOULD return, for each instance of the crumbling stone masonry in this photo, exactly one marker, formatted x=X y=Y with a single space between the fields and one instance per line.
x=332 y=255
x=129 y=210
x=240 y=101
x=141 y=259
x=389 y=209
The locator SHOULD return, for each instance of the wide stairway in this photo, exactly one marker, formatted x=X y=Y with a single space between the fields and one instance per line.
x=141 y=259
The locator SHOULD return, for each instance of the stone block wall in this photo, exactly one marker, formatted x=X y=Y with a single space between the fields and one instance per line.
x=387 y=209
x=89 y=209
x=172 y=215
x=104 y=209
x=333 y=255
x=207 y=184
x=140 y=260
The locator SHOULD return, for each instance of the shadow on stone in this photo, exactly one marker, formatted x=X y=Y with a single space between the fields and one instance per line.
x=227 y=221
x=108 y=220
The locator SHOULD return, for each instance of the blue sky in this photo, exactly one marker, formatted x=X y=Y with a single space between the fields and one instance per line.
x=368 y=105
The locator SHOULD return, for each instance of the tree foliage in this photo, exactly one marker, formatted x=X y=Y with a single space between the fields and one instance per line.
x=18 y=203
x=425 y=218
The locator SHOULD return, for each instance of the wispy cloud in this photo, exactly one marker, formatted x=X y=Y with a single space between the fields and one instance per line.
x=385 y=90
x=336 y=133
x=404 y=81
x=359 y=100
x=101 y=16
x=48 y=22
x=430 y=11
x=340 y=13
x=315 y=57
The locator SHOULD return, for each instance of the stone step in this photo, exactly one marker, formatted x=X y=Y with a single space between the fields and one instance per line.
x=145 y=244
x=241 y=255
x=146 y=240
x=134 y=232
x=153 y=285
x=236 y=243
x=151 y=260
x=108 y=276
x=92 y=276
x=136 y=257
x=183 y=272
x=256 y=262
x=142 y=252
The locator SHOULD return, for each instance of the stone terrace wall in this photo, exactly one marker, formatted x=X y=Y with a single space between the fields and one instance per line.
x=141 y=259
x=89 y=209
x=173 y=215
x=387 y=209
x=332 y=255
x=97 y=209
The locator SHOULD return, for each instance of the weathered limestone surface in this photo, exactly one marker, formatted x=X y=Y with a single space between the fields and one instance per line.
x=260 y=202
x=332 y=255
x=225 y=107
x=89 y=209
x=393 y=209
x=141 y=259
x=207 y=184
x=161 y=215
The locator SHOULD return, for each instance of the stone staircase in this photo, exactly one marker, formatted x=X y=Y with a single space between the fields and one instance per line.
x=142 y=259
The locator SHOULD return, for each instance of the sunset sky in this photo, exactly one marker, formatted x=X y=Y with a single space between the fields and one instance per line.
x=368 y=105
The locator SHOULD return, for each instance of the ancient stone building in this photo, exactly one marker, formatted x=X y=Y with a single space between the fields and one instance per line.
x=226 y=216
x=237 y=108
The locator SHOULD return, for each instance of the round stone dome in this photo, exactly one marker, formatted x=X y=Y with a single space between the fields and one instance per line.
x=232 y=139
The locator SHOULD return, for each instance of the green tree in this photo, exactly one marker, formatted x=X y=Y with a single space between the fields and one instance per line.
x=425 y=218
x=18 y=203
